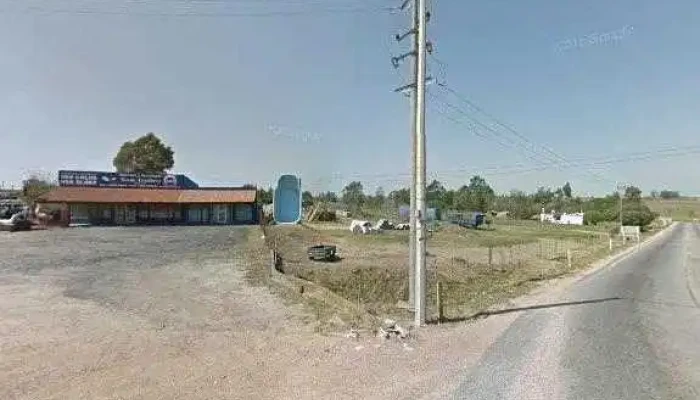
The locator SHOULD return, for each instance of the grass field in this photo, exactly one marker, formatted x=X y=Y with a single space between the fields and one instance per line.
x=476 y=268
x=682 y=209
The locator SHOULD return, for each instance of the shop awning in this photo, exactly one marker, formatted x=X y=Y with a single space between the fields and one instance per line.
x=68 y=194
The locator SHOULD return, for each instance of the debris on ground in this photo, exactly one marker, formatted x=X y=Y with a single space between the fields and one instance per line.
x=402 y=227
x=384 y=224
x=353 y=334
x=390 y=328
x=363 y=227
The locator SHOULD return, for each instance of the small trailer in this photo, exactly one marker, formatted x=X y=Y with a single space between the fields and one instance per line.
x=473 y=220
x=322 y=252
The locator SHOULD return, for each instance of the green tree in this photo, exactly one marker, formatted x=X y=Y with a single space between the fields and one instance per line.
x=461 y=200
x=435 y=194
x=480 y=193
x=567 y=190
x=543 y=196
x=328 y=197
x=633 y=193
x=379 y=195
x=265 y=196
x=637 y=214
x=34 y=187
x=147 y=155
x=400 y=197
x=353 y=195
x=307 y=199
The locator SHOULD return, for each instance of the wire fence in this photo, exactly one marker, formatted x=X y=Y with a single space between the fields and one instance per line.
x=474 y=270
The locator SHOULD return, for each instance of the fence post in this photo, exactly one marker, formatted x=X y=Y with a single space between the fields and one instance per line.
x=568 y=257
x=490 y=255
x=611 y=243
x=510 y=256
x=439 y=302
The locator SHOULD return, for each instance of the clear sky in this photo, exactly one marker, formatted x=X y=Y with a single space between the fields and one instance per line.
x=243 y=98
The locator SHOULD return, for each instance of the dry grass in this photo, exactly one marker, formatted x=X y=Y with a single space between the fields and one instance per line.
x=330 y=310
x=683 y=209
x=477 y=268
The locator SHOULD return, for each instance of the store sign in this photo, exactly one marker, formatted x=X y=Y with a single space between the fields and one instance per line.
x=116 y=179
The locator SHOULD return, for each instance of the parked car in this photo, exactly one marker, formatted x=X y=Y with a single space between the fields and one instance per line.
x=17 y=222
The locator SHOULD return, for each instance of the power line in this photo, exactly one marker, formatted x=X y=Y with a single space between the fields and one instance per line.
x=509 y=142
x=192 y=12
x=515 y=168
x=534 y=146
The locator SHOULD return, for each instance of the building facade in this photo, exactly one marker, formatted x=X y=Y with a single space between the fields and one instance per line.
x=105 y=198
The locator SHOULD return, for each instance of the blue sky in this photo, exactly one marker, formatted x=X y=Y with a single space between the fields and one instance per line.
x=245 y=98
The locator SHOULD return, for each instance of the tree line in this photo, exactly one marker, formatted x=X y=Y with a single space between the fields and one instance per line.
x=148 y=154
x=478 y=195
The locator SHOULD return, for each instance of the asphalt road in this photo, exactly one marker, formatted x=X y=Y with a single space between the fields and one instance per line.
x=631 y=331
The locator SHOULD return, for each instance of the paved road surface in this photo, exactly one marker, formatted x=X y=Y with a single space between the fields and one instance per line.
x=627 y=332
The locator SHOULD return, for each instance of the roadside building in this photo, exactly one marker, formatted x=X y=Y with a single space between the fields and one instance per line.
x=107 y=198
x=562 y=218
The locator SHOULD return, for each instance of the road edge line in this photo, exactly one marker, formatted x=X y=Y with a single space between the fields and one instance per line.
x=612 y=260
x=689 y=274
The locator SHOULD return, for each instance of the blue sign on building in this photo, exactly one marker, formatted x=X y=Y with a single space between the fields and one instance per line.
x=124 y=180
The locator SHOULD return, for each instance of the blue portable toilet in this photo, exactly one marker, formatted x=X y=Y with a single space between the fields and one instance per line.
x=286 y=201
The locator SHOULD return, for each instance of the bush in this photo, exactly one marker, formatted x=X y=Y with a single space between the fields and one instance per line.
x=638 y=215
x=326 y=216
x=633 y=213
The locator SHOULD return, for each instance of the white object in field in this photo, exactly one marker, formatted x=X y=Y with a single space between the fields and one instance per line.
x=571 y=219
x=562 y=219
x=359 y=226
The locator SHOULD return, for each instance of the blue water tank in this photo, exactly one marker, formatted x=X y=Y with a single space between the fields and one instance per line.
x=287 y=200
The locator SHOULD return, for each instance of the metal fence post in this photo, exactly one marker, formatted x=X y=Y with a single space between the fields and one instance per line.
x=439 y=301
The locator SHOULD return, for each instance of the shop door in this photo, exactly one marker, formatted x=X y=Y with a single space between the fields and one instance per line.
x=130 y=215
x=220 y=214
x=243 y=213
x=119 y=215
x=194 y=214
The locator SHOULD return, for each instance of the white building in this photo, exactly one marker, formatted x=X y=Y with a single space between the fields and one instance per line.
x=571 y=219
x=563 y=219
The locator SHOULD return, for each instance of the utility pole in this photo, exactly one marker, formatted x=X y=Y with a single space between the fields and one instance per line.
x=412 y=212
x=420 y=301
x=417 y=254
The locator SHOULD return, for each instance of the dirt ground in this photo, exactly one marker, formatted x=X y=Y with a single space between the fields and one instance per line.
x=164 y=313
